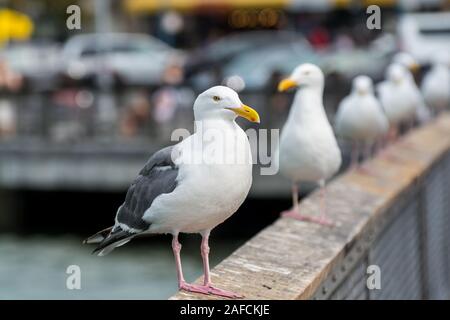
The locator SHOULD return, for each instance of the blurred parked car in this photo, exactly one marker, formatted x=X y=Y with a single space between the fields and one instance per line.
x=256 y=66
x=37 y=64
x=130 y=59
x=424 y=34
x=224 y=49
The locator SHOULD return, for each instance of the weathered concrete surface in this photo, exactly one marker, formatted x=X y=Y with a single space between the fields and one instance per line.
x=290 y=259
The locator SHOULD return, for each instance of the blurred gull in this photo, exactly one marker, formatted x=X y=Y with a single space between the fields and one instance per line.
x=436 y=83
x=423 y=114
x=189 y=187
x=396 y=98
x=308 y=150
x=360 y=119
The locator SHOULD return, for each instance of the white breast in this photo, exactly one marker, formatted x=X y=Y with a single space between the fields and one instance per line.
x=360 y=118
x=436 y=88
x=308 y=149
x=397 y=101
x=207 y=193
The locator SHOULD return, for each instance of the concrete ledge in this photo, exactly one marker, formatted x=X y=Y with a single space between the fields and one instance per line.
x=290 y=259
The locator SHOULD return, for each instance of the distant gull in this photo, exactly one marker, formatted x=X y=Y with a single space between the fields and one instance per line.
x=360 y=120
x=396 y=99
x=423 y=114
x=436 y=83
x=308 y=151
x=190 y=187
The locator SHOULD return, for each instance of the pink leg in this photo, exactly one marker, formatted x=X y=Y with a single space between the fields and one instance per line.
x=295 y=210
x=392 y=136
x=363 y=168
x=354 y=158
x=380 y=145
x=409 y=127
x=207 y=284
x=207 y=287
x=295 y=214
x=176 y=247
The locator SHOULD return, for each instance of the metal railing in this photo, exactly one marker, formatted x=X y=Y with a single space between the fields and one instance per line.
x=411 y=246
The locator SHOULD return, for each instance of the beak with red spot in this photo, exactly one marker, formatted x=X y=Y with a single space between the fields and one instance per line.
x=246 y=112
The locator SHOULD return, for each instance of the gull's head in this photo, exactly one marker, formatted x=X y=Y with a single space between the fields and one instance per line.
x=362 y=85
x=406 y=60
x=396 y=73
x=222 y=103
x=305 y=75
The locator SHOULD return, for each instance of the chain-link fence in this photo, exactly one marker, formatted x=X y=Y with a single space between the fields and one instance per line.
x=410 y=246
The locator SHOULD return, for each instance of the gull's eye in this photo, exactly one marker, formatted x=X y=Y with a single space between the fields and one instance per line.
x=306 y=72
x=216 y=98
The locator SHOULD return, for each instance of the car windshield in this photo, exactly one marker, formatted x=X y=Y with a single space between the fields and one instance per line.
x=95 y=45
x=280 y=57
x=241 y=42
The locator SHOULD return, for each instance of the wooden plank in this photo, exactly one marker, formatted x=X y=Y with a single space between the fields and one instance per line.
x=289 y=259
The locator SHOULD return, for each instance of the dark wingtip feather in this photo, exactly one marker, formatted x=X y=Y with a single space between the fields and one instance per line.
x=98 y=237
x=114 y=239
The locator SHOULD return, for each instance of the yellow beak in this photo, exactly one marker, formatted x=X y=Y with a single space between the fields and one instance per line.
x=414 y=67
x=246 y=112
x=286 y=84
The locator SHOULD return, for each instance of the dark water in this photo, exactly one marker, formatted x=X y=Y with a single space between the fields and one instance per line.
x=35 y=267
x=47 y=239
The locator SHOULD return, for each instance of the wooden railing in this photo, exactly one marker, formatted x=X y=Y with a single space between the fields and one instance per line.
x=396 y=219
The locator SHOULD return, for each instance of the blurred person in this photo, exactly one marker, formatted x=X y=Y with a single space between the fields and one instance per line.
x=319 y=38
x=344 y=41
x=8 y=119
x=164 y=107
x=136 y=116
x=166 y=100
x=9 y=79
x=170 y=26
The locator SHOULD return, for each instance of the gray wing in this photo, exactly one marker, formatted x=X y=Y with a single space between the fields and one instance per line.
x=157 y=177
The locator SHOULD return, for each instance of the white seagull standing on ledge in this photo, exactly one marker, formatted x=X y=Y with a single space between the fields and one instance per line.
x=423 y=114
x=190 y=187
x=436 y=83
x=397 y=99
x=308 y=150
x=360 y=119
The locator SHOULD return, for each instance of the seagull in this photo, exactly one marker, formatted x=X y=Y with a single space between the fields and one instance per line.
x=308 y=150
x=396 y=99
x=436 y=84
x=423 y=114
x=192 y=186
x=361 y=120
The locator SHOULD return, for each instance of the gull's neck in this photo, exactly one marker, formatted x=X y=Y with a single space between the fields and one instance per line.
x=216 y=123
x=307 y=101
